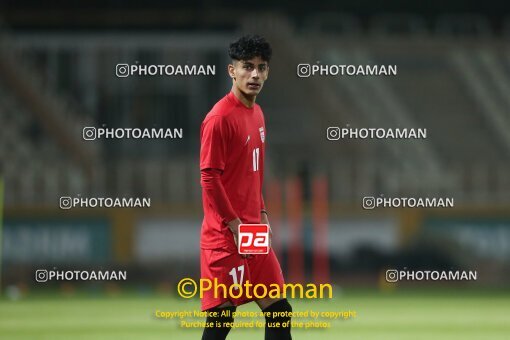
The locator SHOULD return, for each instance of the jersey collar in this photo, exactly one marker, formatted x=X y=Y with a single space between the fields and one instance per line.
x=238 y=102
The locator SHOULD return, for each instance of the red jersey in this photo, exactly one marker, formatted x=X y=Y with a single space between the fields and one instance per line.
x=232 y=139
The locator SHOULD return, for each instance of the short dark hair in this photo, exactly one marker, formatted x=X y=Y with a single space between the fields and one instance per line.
x=250 y=46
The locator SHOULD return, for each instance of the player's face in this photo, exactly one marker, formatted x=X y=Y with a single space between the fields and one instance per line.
x=249 y=75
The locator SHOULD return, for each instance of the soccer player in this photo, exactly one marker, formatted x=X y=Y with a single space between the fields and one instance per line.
x=232 y=139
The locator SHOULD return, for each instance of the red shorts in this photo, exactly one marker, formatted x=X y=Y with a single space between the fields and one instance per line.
x=227 y=267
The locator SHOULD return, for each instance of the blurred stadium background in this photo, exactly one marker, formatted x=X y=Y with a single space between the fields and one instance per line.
x=57 y=75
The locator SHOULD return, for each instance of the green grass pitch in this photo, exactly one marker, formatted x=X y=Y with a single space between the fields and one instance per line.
x=450 y=314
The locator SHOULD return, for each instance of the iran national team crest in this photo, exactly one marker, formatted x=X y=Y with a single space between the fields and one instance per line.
x=262 y=135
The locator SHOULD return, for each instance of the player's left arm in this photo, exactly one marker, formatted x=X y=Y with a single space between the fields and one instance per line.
x=264 y=219
x=264 y=216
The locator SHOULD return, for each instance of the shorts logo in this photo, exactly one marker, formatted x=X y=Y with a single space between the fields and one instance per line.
x=262 y=135
x=253 y=239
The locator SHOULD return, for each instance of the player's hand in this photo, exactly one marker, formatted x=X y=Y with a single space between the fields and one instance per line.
x=265 y=220
x=234 y=228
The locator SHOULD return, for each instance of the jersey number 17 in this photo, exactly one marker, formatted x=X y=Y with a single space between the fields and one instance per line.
x=256 y=156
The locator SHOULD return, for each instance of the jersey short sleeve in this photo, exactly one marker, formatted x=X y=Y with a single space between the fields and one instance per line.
x=214 y=138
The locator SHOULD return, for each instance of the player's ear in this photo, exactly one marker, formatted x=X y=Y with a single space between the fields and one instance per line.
x=231 y=71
